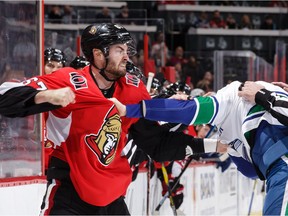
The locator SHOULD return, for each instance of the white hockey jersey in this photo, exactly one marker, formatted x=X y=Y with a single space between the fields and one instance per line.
x=238 y=121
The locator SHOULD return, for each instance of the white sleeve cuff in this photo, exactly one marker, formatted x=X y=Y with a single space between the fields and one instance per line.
x=210 y=145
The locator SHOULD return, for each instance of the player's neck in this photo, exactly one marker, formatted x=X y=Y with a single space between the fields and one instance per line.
x=100 y=80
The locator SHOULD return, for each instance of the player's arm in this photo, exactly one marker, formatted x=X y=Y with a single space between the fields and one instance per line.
x=200 y=110
x=62 y=97
x=243 y=166
x=274 y=103
x=22 y=100
x=163 y=145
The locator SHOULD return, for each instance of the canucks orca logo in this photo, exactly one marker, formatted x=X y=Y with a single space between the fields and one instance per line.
x=104 y=144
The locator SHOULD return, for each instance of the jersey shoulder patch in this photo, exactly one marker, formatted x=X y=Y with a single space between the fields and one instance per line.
x=132 y=80
x=78 y=80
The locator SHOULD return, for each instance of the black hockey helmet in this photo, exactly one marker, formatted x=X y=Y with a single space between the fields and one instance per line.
x=133 y=70
x=52 y=54
x=79 y=62
x=173 y=88
x=156 y=84
x=102 y=36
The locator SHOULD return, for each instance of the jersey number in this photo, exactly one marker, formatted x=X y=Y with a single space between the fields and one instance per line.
x=35 y=81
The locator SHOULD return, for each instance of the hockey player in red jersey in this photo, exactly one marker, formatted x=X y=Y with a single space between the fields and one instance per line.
x=89 y=170
x=54 y=59
x=90 y=146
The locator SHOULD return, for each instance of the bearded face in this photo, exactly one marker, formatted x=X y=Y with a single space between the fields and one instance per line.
x=118 y=58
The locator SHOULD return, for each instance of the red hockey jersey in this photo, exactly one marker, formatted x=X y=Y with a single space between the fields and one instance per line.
x=90 y=135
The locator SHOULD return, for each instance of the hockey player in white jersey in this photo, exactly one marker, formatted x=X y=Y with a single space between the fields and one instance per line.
x=258 y=142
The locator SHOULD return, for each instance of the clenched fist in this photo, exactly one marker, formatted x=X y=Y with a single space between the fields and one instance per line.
x=62 y=96
x=248 y=90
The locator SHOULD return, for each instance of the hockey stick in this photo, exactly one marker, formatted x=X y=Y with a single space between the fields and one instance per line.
x=148 y=184
x=149 y=81
x=252 y=197
x=166 y=180
x=177 y=179
x=221 y=158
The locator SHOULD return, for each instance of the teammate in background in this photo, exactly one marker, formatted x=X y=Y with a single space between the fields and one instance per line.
x=271 y=101
x=202 y=130
x=257 y=142
x=54 y=59
x=89 y=171
x=79 y=62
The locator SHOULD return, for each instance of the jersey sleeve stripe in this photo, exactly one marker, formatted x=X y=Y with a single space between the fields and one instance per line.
x=196 y=112
x=206 y=110
x=8 y=85
x=216 y=109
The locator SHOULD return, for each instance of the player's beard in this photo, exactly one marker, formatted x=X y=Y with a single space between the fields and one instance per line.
x=114 y=70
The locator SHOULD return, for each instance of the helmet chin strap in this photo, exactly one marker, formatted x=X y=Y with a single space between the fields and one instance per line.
x=102 y=71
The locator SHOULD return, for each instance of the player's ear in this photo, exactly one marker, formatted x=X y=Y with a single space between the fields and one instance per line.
x=97 y=53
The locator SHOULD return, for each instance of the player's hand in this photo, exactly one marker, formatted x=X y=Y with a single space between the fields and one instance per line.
x=248 y=90
x=180 y=97
x=282 y=85
x=62 y=96
x=209 y=94
x=120 y=107
x=221 y=148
